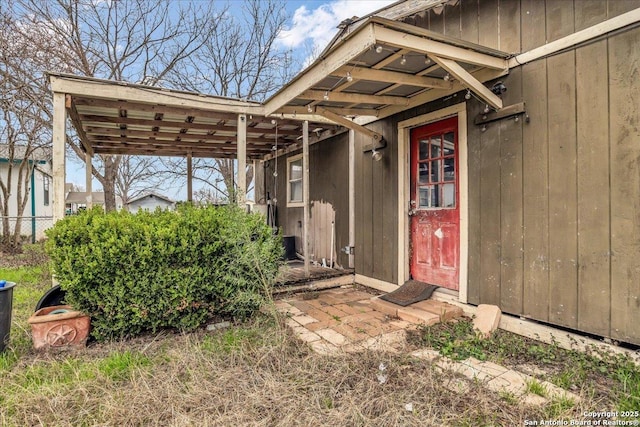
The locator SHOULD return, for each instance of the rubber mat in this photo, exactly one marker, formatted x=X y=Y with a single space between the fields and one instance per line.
x=411 y=292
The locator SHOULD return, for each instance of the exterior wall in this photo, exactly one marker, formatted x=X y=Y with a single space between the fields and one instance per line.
x=554 y=223
x=554 y=206
x=35 y=206
x=328 y=194
x=149 y=203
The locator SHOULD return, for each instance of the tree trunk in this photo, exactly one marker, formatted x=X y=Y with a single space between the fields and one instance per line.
x=111 y=164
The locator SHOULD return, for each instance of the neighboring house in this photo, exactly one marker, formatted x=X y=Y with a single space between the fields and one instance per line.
x=493 y=150
x=150 y=202
x=36 y=217
x=77 y=200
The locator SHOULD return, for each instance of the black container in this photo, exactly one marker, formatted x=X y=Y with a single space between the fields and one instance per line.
x=6 y=303
x=289 y=243
x=54 y=296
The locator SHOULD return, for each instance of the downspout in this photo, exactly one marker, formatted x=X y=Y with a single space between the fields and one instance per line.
x=33 y=205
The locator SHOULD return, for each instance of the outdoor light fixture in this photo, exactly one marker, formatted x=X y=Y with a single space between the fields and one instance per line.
x=273 y=121
x=467 y=95
x=403 y=60
x=486 y=108
x=378 y=49
x=376 y=155
x=309 y=109
x=446 y=77
x=326 y=95
x=349 y=77
x=499 y=88
x=427 y=60
x=484 y=128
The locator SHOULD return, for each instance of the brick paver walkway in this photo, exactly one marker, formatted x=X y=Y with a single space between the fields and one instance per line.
x=341 y=318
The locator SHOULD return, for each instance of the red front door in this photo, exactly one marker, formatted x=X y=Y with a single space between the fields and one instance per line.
x=435 y=201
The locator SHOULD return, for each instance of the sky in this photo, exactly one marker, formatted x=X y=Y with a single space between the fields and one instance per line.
x=312 y=25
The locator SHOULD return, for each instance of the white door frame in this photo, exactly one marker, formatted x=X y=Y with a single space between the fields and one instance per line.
x=404 y=144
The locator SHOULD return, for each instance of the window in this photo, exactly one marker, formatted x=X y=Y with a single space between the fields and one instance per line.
x=294 y=181
x=436 y=171
x=45 y=187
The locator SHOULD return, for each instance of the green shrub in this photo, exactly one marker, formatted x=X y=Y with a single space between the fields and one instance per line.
x=137 y=272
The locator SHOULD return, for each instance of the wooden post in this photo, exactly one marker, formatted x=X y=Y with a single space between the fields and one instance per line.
x=58 y=160
x=88 y=179
x=305 y=198
x=189 y=177
x=352 y=196
x=242 y=159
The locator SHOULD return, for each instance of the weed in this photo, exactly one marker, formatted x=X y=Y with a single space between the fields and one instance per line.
x=536 y=387
x=119 y=366
x=509 y=397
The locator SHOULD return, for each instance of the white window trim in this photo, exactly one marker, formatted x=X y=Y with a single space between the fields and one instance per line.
x=293 y=204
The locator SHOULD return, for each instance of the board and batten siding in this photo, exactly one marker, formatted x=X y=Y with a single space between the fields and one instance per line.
x=328 y=195
x=554 y=204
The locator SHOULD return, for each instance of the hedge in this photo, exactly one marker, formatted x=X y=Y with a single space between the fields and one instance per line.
x=141 y=272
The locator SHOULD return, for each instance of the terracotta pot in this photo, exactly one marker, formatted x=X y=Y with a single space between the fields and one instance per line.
x=59 y=326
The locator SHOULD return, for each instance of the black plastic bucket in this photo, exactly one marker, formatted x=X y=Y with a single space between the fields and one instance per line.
x=6 y=304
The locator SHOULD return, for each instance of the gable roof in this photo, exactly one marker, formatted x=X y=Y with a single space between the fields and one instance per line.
x=39 y=154
x=150 y=194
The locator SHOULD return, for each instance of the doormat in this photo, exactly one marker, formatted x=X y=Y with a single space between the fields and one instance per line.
x=411 y=292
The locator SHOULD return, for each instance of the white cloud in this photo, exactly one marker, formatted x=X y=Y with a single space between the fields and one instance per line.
x=314 y=28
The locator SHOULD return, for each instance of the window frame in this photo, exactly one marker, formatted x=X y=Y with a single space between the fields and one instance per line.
x=294 y=203
x=46 y=193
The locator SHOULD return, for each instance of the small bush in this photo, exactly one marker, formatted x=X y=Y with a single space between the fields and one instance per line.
x=137 y=272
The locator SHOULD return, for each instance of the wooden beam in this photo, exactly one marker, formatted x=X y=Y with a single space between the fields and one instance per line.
x=181 y=147
x=469 y=81
x=88 y=179
x=349 y=124
x=75 y=119
x=396 y=77
x=180 y=125
x=362 y=40
x=242 y=159
x=95 y=133
x=305 y=199
x=431 y=47
x=59 y=155
x=574 y=39
x=174 y=153
x=482 y=75
x=104 y=89
x=189 y=176
x=153 y=108
x=354 y=97
x=352 y=197
x=303 y=112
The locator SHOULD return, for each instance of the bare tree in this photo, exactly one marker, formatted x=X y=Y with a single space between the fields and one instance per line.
x=23 y=133
x=143 y=41
x=239 y=58
x=136 y=175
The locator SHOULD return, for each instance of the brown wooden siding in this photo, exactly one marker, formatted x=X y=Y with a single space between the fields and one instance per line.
x=554 y=206
x=516 y=26
x=328 y=194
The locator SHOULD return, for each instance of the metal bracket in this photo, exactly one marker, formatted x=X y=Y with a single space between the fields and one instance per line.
x=505 y=112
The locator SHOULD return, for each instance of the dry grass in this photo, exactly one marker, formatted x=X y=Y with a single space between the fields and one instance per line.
x=255 y=374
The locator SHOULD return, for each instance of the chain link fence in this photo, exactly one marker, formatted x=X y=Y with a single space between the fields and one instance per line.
x=32 y=228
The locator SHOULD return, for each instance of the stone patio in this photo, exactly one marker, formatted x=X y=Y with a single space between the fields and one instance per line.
x=351 y=320
x=348 y=319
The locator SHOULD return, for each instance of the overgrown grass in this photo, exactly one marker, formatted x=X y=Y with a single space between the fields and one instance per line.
x=611 y=378
x=30 y=272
